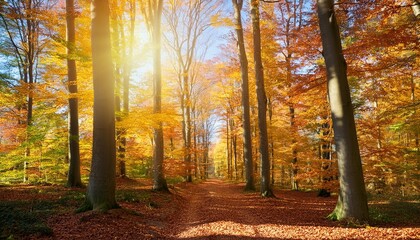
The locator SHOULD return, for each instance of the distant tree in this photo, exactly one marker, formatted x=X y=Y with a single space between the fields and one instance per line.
x=187 y=22
x=74 y=178
x=21 y=21
x=101 y=188
x=266 y=190
x=246 y=120
x=352 y=200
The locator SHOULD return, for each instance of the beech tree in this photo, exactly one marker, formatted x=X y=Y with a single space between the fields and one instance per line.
x=74 y=178
x=352 y=200
x=153 y=13
x=262 y=102
x=246 y=120
x=101 y=188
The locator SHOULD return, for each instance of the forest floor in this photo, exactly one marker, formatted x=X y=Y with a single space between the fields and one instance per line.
x=208 y=210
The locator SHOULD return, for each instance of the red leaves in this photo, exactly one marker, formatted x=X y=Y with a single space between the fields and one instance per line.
x=212 y=209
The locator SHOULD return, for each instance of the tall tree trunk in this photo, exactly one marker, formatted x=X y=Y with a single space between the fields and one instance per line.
x=352 y=200
x=118 y=49
x=293 y=129
x=159 y=182
x=30 y=61
x=194 y=147
x=228 y=149
x=187 y=124
x=74 y=178
x=246 y=119
x=295 y=183
x=262 y=102
x=235 y=152
x=126 y=87
x=271 y=142
x=101 y=188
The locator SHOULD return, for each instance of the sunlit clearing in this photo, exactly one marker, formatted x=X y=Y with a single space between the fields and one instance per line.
x=274 y=231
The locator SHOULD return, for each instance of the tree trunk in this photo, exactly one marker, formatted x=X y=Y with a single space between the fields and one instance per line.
x=118 y=49
x=262 y=102
x=228 y=148
x=101 y=188
x=126 y=87
x=31 y=42
x=325 y=156
x=246 y=119
x=352 y=201
x=74 y=178
x=188 y=124
x=159 y=182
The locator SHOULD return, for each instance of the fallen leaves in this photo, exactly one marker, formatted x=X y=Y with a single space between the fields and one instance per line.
x=209 y=210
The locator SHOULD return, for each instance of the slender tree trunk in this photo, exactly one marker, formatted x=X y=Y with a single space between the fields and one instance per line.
x=74 y=178
x=194 y=147
x=271 y=144
x=262 y=102
x=30 y=60
x=228 y=149
x=247 y=139
x=295 y=183
x=101 y=188
x=235 y=154
x=188 y=124
x=293 y=129
x=118 y=49
x=352 y=201
x=325 y=156
x=126 y=87
x=159 y=182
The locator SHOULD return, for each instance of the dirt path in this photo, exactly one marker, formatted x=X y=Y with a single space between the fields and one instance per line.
x=218 y=210
x=215 y=209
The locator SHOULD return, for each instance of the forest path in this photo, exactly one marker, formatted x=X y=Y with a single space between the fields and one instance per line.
x=215 y=209
x=219 y=210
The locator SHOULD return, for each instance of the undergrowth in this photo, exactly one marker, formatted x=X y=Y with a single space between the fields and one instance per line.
x=28 y=217
x=395 y=212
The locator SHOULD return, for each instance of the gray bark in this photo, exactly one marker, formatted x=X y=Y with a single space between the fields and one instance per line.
x=101 y=188
x=74 y=178
x=352 y=201
x=262 y=102
x=159 y=182
x=246 y=120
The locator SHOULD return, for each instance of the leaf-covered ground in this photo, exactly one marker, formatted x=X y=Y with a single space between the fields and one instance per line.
x=210 y=210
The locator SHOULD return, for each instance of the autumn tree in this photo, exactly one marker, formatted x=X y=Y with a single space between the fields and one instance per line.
x=74 y=178
x=246 y=121
x=127 y=68
x=187 y=21
x=22 y=23
x=153 y=13
x=101 y=188
x=262 y=102
x=352 y=201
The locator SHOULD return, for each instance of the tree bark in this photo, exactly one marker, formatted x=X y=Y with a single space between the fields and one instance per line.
x=352 y=201
x=159 y=182
x=262 y=102
x=74 y=178
x=246 y=120
x=101 y=188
